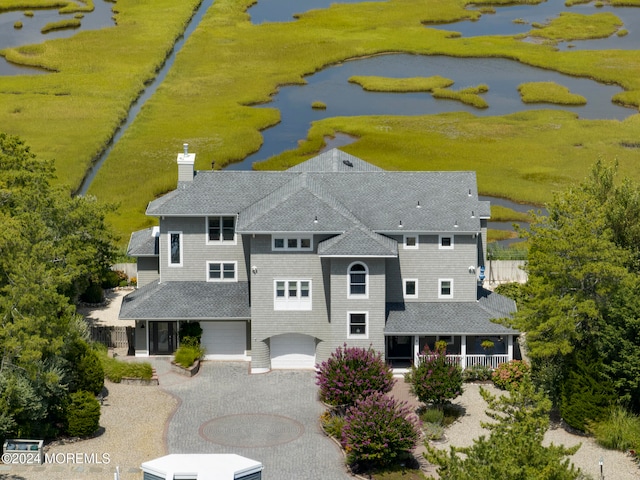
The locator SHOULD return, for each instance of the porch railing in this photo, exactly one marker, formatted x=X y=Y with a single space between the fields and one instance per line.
x=466 y=361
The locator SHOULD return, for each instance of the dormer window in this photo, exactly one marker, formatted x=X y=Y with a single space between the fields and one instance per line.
x=221 y=229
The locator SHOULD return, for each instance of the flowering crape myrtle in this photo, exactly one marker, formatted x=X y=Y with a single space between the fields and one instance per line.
x=352 y=373
x=378 y=430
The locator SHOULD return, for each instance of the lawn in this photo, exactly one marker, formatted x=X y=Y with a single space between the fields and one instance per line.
x=229 y=64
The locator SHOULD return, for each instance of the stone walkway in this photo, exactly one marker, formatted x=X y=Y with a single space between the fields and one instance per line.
x=272 y=418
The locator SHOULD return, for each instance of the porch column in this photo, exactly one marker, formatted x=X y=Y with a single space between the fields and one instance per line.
x=416 y=349
x=510 y=347
x=463 y=351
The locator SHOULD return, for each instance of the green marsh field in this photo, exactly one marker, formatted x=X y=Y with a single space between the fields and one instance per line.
x=229 y=64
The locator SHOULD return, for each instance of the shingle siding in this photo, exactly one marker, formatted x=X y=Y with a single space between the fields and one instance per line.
x=266 y=321
x=148 y=270
x=374 y=304
x=196 y=252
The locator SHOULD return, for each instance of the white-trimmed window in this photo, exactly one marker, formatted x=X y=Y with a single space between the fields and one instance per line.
x=287 y=243
x=292 y=294
x=445 y=242
x=445 y=288
x=358 y=281
x=175 y=249
x=411 y=242
x=221 y=229
x=358 y=325
x=222 y=271
x=410 y=288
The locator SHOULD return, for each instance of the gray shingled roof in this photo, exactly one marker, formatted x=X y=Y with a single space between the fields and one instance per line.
x=144 y=243
x=187 y=301
x=378 y=199
x=334 y=160
x=358 y=242
x=299 y=205
x=450 y=318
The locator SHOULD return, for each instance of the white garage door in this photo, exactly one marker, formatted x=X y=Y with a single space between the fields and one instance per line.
x=293 y=350
x=224 y=340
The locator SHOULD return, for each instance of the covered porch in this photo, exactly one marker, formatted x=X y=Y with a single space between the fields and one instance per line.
x=467 y=351
x=467 y=328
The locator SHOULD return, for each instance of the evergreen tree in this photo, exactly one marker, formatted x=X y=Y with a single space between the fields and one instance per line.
x=52 y=245
x=514 y=449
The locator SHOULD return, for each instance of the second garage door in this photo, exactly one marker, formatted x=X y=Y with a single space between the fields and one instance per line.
x=224 y=340
x=293 y=350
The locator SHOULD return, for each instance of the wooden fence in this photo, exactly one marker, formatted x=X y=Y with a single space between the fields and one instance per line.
x=114 y=337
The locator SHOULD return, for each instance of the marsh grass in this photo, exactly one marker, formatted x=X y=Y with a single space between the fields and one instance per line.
x=61 y=25
x=495 y=235
x=570 y=26
x=505 y=214
x=17 y=25
x=549 y=92
x=412 y=84
x=468 y=96
x=70 y=116
x=318 y=105
x=540 y=151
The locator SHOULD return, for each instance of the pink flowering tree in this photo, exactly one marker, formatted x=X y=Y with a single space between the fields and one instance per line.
x=352 y=373
x=378 y=431
x=434 y=380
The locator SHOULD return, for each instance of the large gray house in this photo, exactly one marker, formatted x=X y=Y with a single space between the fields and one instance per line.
x=281 y=267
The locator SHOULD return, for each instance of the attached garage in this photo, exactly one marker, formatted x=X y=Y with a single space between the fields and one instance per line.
x=224 y=340
x=293 y=350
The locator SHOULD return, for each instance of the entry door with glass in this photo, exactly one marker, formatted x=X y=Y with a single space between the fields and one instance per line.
x=162 y=338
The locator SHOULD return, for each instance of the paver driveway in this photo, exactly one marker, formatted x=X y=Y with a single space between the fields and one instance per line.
x=271 y=418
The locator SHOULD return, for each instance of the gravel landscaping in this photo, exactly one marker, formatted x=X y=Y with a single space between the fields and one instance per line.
x=617 y=465
x=133 y=423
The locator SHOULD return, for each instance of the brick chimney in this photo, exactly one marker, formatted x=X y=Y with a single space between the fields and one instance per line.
x=186 y=162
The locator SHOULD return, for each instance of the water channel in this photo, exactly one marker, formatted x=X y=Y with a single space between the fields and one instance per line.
x=100 y=17
x=342 y=98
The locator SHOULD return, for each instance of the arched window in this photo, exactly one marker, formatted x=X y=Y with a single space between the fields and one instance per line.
x=358 y=276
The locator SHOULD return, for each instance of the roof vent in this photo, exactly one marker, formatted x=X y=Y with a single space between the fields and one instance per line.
x=347 y=163
x=186 y=149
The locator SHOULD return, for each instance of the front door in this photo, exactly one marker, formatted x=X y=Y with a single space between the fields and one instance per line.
x=162 y=338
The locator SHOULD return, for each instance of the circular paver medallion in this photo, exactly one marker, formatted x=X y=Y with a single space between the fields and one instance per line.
x=251 y=430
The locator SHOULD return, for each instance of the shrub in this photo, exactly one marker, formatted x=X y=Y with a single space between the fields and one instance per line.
x=87 y=372
x=83 y=414
x=509 y=374
x=189 y=351
x=620 y=431
x=432 y=415
x=433 y=431
x=378 y=430
x=477 y=373
x=352 y=373
x=115 y=278
x=433 y=379
x=115 y=369
x=93 y=294
x=586 y=395
x=190 y=329
x=332 y=424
